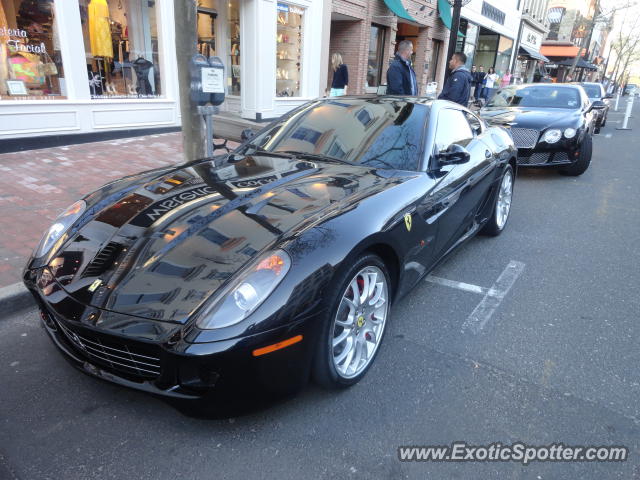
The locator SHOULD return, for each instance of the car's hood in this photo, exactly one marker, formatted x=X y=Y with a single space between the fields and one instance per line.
x=523 y=117
x=159 y=244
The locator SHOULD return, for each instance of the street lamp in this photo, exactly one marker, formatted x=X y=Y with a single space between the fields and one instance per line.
x=455 y=27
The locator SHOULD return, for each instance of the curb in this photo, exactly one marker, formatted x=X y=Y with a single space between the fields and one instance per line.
x=14 y=298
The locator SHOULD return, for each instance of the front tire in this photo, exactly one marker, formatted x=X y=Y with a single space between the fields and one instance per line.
x=584 y=159
x=502 y=206
x=354 y=323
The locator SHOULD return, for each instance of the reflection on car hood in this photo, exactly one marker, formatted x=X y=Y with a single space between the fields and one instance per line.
x=159 y=244
x=524 y=117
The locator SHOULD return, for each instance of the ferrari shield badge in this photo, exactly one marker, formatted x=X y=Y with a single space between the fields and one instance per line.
x=95 y=285
x=407 y=221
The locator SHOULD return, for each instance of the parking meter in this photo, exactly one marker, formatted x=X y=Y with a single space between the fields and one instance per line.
x=198 y=95
x=207 y=80
x=213 y=80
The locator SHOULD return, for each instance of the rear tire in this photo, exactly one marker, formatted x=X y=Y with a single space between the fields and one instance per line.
x=584 y=159
x=354 y=323
x=502 y=205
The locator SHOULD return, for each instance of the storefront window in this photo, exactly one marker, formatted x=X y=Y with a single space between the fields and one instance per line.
x=233 y=16
x=376 y=52
x=435 y=59
x=289 y=50
x=505 y=47
x=30 y=59
x=121 y=44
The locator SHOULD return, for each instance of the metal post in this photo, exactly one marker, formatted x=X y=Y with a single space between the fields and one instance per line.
x=617 y=98
x=207 y=112
x=627 y=114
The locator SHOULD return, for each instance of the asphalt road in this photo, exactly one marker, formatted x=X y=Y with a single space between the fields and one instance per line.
x=557 y=361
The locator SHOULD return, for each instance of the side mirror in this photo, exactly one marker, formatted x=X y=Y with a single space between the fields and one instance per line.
x=598 y=105
x=247 y=134
x=608 y=96
x=454 y=155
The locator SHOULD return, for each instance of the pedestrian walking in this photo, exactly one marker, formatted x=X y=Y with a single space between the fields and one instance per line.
x=490 y=83
x=506 y=79
x=340 y=81
x=401 y=79
x=479 y=82
x=457 y=88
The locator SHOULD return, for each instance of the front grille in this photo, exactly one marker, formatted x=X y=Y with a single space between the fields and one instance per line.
x=121 y=357
x=543 y=158
x=103 y=260
x=536 y=158
x=561 y=157
x=524 y=137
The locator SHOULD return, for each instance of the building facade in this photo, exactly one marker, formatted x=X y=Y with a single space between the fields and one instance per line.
x=490 y=30
x=89 y=66
x=528 y=63
x=366 y=33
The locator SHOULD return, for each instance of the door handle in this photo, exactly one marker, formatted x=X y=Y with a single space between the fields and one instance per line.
x=487 y=154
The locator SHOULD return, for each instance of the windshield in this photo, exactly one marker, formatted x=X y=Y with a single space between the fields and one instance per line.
x=378 y=132
x=537 y=96
x=593 y=91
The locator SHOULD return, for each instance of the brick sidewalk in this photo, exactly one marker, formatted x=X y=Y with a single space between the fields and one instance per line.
x=36 y=185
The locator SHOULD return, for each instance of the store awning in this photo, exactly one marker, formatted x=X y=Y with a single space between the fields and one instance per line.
x=530 y=52
x=444 y=9
x=581 y=63
x=559 y=51
x=396 y=7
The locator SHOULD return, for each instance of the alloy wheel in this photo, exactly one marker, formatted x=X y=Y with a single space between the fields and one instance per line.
x=360 y=321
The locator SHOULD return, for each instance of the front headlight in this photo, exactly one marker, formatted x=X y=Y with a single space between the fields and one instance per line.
x=59 y=228
x=570 y=132
x=247 y=292
x=552 y=136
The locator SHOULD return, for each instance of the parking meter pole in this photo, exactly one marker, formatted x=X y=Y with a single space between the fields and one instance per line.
x=207 y=111
x=627 y=114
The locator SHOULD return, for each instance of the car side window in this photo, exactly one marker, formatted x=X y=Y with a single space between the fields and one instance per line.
x=475 y=122
x=452 y=128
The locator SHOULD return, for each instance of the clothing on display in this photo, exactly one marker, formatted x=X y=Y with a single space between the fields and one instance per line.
x=142 y=66
x=100 y=29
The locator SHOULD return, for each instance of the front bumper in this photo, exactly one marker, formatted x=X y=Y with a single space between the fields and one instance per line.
x=174 y=368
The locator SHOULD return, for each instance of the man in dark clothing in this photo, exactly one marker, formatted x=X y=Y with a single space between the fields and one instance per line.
x=401 y=79
x=458 y=86
x=478 y=80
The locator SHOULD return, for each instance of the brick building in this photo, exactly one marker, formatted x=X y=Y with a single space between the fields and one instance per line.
x=366 y=33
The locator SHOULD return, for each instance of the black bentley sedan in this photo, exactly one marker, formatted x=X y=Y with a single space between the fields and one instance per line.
x=551 y=124
x=255 y=269
x=598 y=97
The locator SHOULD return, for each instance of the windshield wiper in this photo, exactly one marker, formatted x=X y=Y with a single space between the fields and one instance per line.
x=316 y=156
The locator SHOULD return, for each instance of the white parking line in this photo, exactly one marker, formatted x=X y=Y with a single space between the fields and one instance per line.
x=608 y=135
x=467 y=287
x=493 y=298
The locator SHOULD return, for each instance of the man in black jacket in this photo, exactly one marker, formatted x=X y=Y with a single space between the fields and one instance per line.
x=401 y=79
x=458 y=86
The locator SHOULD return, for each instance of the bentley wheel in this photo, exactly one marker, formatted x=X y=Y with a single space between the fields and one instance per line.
x=584 y=159
x=502 y=206
x=354 y=324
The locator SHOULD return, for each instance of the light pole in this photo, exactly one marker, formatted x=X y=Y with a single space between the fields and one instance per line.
x=455 y=27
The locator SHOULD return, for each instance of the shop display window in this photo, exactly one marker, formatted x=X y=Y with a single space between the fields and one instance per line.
x=289 y=50
x=121 y=44
x=375 y=55
x=30 y=58
x=233 y=31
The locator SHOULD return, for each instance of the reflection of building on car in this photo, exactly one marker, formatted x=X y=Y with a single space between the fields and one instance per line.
x=551 y=124
x=282 y=258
